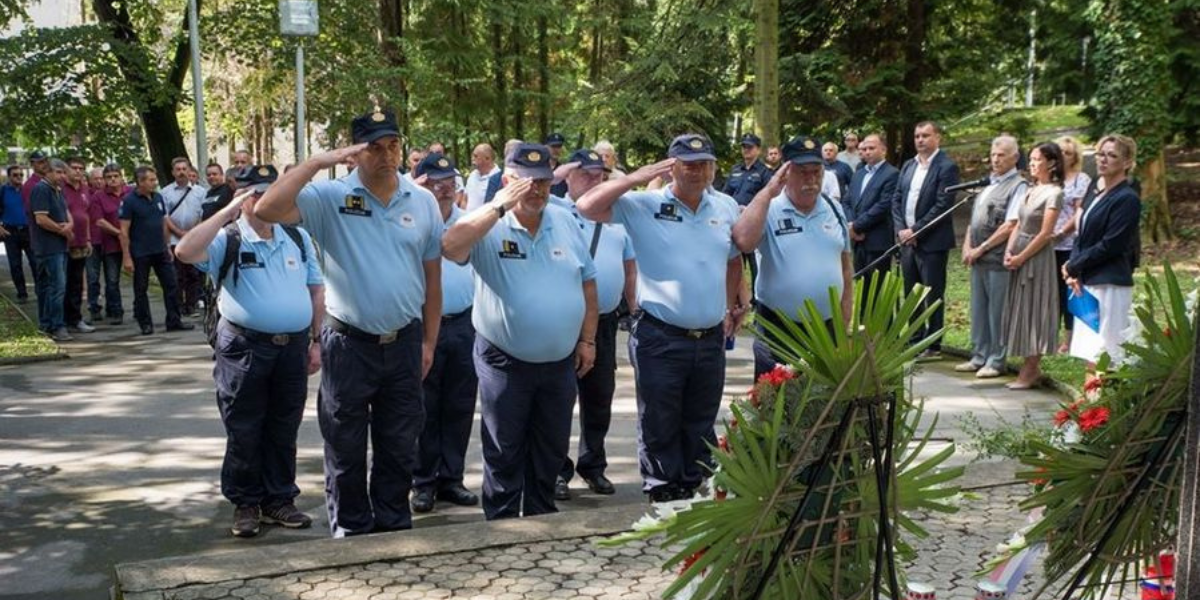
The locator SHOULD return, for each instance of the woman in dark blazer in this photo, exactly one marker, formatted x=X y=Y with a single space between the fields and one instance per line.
x=1102 y=261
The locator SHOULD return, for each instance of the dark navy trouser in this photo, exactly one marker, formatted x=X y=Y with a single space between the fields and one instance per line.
x=595 y=403
x=164 y=270
x=368 y=385
x=680 y=380
x=111 y=265
x=261 y=391
x=16 y=244
x=526 y=410
x=450 y=390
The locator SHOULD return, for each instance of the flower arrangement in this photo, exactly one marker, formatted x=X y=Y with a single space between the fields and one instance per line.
x=777 y=460
x=1107 y=481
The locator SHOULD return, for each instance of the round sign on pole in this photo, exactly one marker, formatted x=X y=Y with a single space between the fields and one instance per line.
x=298 y=17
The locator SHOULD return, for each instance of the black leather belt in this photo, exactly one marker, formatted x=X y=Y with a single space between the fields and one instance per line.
x=14 y=227
x=670 y=329
x=277 y=339
x=457 y=315
x=349 y=330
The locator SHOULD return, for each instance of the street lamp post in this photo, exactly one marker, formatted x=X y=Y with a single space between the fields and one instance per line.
x=299 y=19
x=197 y=83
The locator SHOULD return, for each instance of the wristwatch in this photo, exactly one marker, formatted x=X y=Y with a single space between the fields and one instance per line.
x=499 y=209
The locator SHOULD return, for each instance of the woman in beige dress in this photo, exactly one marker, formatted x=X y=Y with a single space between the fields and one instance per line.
x=1030 y=320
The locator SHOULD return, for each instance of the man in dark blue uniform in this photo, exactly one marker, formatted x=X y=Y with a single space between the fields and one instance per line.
x=451 y=385
x=380 y=239
x=689 y=280
x=144 y=239
x=271 y=298
x=535 y=318
x=555 y=142
x=749 y=176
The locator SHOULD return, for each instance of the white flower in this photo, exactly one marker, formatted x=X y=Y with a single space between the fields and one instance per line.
x=646 y=522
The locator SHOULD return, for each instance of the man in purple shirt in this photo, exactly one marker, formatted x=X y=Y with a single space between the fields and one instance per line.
x=80 y=245
x=106 y=241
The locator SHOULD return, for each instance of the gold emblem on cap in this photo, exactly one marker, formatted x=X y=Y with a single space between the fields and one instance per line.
x=377 y=116
x=696 y=144
x=809 y=144
x=264 y=171
x=534 y=156
x=593 y=156
x=443 y=163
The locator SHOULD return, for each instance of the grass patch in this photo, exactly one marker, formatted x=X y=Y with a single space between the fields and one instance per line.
x=20 y=339
x=1021 y=122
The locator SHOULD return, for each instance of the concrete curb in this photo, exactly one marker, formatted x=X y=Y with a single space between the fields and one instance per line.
x=1060 y=388
x=266 y=561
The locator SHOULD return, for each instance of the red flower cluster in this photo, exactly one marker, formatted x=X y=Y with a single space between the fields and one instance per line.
x=1093 y=383
x=691 y=560
x=1093 y=418
x=777 y=376
x=1063 y=416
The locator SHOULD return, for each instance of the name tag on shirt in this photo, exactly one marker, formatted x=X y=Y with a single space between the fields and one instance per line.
x=666 y=212
x=510 y=249
x=786 y=227
x=248 y=260
x=355 y=206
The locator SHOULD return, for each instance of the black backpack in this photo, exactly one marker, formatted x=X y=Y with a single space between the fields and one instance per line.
x=233 y=244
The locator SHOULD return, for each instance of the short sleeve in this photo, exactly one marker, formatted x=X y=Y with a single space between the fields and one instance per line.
x=1055 y=202
x=39 y=200
x=433 y=245
x=314 y=266
x=627 y=253
x=1013 y=213
x=124 y=212
x=216 y=254
x=312 y=206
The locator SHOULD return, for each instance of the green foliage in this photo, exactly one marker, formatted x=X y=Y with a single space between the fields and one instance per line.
x=1009 y=440
x=1126 y=474
x=768 y=462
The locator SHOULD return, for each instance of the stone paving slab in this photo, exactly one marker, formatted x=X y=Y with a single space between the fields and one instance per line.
x=554 y=561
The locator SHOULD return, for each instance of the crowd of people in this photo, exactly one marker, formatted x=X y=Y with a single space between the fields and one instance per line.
x=419 y=290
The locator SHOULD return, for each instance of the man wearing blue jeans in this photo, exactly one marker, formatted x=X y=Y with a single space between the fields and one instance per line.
x=49 y=237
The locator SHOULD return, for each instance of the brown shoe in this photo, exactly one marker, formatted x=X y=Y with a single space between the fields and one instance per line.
x=286 y=515
x=245 y=521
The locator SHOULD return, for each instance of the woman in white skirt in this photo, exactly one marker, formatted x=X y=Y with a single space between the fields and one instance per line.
x=1102 y=261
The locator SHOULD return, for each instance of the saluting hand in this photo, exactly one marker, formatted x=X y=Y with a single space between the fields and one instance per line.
x=333 y=158
x=647 y=173
x=514 y=191
x=565 y=169
x=779 y=179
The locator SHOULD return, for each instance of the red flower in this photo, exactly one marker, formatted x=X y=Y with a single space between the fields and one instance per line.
x=1093 y=383
x=721 y=493
x=1061 y=417
x=753 y=396
x=1167 y=331
x=691 y=560
x=777 y=376
x=733 y=423
x=722 y=443
x=1040 y=481
x=1093 y=418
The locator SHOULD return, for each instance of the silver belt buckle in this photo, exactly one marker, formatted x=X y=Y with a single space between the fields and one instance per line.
x=695 y=334
x=281 y=339
x=387 y=338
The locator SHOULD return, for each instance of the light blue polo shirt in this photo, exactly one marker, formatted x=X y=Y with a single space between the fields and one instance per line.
x=613 y=250
x=372 y=255
x=271 y=294
x=458 y=281
x=682 y=255
x=529 y=290
x=800 y=256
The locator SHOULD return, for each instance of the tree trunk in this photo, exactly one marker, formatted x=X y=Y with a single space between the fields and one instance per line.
x=501 y=104
x=164 y=138
x=391 y=17
x=766 y=70
x=1154 y=192
x=543 y=77
x=519 y=84
x=914 y=80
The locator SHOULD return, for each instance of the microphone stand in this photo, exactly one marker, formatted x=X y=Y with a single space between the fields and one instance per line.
x=897 y=246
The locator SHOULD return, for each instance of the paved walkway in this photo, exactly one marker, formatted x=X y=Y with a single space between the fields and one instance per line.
x=113 y=457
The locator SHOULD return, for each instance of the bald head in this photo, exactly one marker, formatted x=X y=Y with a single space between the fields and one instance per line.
x=483 y=158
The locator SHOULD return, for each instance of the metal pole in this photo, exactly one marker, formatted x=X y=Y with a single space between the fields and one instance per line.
x=1187 y=565
x=301 y=136
x=1031 y=64
x=197 y=84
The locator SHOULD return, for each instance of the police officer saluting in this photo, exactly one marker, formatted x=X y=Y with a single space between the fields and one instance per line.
x=380 y=240
x=689 y=276
x=271 y=297
x=451 y=385
x=616 y=276
x=802 y=242
x=535 y=318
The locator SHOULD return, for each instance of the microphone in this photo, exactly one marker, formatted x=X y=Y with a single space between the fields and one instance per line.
x=986 y=181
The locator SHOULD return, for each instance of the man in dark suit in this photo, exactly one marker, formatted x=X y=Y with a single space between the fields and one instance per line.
x=868 y=206
x=920 y=198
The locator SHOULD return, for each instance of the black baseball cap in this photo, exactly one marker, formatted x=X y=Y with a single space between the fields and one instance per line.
x=257 y=178
x=530 y=160
x=691 y=147
x=37 y=156
x=588 y=160
x=436 y=166
x=555 y=139
x=751 y=140
x=374 y=125
x=803 y=150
